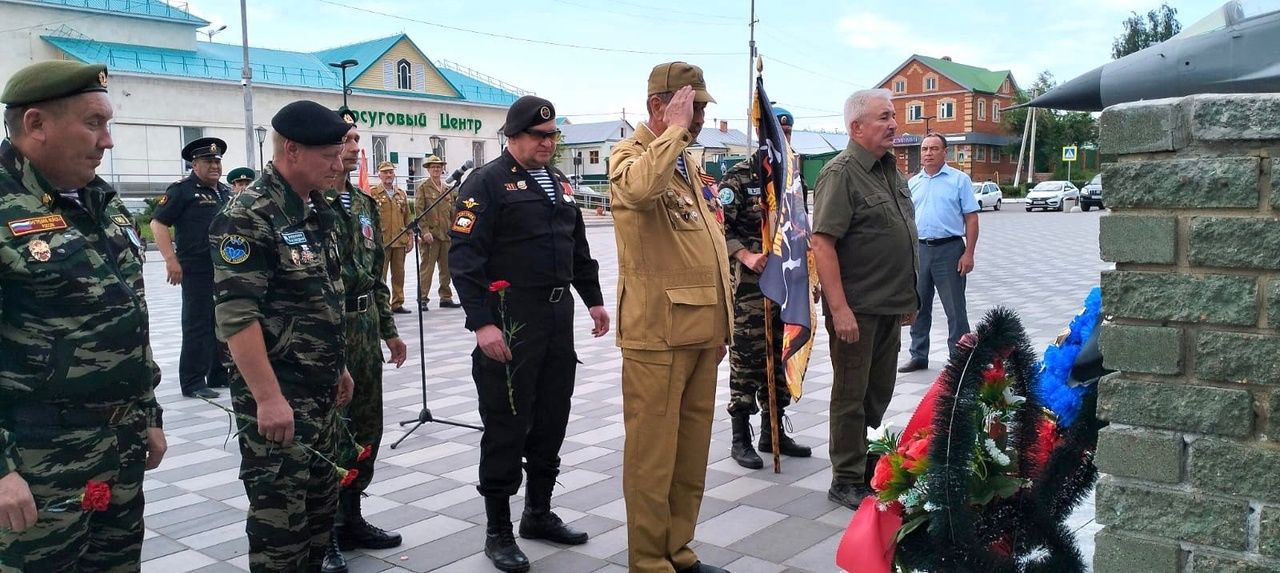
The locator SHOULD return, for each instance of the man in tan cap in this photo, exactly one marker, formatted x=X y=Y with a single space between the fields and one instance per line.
x=435 y=235
x=76 y=397
x=674 y=320
x=393 y=211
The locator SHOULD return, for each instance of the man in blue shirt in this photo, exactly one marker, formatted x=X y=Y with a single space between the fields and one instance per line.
x=947 y=222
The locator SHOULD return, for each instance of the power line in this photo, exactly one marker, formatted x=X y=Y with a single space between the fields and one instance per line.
x=518 y=39
x=647 y=16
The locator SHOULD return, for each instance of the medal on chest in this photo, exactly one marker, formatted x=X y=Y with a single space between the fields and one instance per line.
x=366 y=230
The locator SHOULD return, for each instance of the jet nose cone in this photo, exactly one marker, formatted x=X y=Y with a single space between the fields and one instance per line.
x=1084 y=93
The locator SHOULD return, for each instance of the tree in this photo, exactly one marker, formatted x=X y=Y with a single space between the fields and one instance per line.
x=1140 y=33
x=1054 y=129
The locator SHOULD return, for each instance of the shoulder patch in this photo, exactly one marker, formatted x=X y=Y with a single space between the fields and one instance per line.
x=234 y=249
x=22 y=227
x=120 y=220
x=464 y=222
x=726 y=196
x=470 y=203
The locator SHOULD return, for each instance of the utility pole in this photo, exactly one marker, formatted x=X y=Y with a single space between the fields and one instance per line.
x=1031 y=157
x=751 y=78
x=246 y=81
x=1022 y=146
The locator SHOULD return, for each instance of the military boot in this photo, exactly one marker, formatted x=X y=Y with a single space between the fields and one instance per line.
x=354 y=532
x=539 y=522
x=334 y=562
x=786 y=445
x=499 y=544
x=741 y=449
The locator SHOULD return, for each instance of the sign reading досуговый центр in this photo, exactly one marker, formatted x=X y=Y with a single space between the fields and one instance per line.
x=447 y=121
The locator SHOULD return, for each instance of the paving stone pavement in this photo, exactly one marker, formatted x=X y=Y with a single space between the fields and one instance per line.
x=1039 y=264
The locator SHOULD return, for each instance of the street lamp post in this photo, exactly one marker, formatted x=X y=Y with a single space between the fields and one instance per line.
x=926 y=123
x=262 y=136
x=435 y=146
x=343 y=65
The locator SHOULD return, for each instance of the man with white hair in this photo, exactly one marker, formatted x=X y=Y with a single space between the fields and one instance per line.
x=864 y=244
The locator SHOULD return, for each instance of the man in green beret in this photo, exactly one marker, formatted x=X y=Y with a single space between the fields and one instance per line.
x=77 y=409
x=240 y=178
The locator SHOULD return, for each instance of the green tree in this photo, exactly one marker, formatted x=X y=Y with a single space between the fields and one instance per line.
x=1143 y=32
x=1054 y=129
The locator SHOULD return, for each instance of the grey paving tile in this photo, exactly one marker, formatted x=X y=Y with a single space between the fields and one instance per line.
x=784 y=539
x=569 y=562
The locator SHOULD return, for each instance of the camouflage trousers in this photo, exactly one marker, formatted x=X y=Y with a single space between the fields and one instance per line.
x=57 y=462
x=293 y=492
x=747 y=368
x=364 y=413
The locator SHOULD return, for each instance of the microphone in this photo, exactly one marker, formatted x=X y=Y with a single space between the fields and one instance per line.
x=457 y=174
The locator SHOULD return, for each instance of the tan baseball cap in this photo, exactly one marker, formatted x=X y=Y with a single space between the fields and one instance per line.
x=672 y=76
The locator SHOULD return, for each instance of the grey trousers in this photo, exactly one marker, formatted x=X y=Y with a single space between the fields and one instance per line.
x=938 y=272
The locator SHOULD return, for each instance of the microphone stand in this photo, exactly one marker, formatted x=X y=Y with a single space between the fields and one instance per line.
x=424 y=415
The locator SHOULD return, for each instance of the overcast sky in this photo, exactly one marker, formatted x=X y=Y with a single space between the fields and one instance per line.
x=591 y=57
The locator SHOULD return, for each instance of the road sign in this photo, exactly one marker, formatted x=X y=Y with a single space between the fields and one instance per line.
x=1069 y=153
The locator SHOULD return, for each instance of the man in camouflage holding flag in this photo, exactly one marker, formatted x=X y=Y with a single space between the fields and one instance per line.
x=744 y=212
x=280 y=299
x=368 y=320
x=76 y=374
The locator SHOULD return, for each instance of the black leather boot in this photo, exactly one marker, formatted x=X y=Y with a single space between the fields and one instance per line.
x=787 y=446
x=539 y=522
x=741 y=449
x=499 y=544
x=354 y=532
x=334 y=562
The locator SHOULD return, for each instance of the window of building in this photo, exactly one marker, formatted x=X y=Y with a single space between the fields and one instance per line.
x=947 y=109
x=951 y=153
x=995 y=155
x=982 y=109
x=995 y=111
x=593 y=157
x=379 y=149
x=980 y=153
x=477 y=153
x=915 y=112
x=931 y=83
x=962 y=154
x=404 y=75
x=190 y=134
x=899 y=86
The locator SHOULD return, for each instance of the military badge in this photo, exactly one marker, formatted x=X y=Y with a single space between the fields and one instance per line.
x=464 y=223
x=163 y=199
x=544 y=111
x=22 y=227
x=295 y=257
x=726 y=196
x=753 y=191
x=366 y=227
x=234 y=249
x=522 y=185
x=102 y=79
x=121 y=220
x=308 y=256
x=509 y=186
x=39 y=250
x=293 y=238
x=470 y=203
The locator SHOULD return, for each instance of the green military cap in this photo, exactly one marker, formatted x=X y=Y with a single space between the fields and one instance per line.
x=240 y=174
x=44 y=81
x=672 y=76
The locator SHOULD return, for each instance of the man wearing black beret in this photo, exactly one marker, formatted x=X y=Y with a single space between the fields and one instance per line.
x=76 y=374
x=517 y=222
x=279 y=302
x=188 y=205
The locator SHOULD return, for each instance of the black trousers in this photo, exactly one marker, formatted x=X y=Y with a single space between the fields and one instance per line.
x=201 y=360
x=528 y=420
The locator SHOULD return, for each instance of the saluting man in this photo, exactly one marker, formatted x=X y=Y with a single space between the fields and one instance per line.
x=188 y=206
x=517 y=222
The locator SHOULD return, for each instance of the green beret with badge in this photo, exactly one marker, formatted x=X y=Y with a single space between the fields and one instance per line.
x=47 y=81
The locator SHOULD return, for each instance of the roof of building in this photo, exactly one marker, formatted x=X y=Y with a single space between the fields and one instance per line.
x=716 y=139
x=582 y=133
x=972 y=78
x=816 y=142
x=153 y=9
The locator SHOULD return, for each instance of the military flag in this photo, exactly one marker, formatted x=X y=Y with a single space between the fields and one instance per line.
x=789 y=274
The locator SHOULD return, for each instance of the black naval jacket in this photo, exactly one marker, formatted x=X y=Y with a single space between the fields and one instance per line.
x=188 y=206
x=505 y=228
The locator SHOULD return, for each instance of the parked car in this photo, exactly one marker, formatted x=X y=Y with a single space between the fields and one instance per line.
x=1091 y=195
x=988 y=195
x=1052 y=195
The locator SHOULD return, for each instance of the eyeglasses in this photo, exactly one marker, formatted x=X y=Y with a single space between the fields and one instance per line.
x=543 y=134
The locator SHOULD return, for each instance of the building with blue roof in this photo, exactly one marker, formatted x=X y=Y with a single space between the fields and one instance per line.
x=169 y=87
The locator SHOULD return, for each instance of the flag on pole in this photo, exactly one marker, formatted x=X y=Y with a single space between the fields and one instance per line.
x=363 y=181
x=789 y=274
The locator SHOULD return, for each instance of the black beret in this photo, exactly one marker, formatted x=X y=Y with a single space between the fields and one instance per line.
x=240 y=173
x=526 y=112
x=204 y=147
x=347 y=115
x=310 y=123
x=44 y=81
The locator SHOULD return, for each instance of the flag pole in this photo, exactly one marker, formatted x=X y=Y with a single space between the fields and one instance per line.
x=751 y=74
x=768 y=228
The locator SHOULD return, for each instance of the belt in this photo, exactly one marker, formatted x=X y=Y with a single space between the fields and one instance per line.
x=35 y=414
x=942 y=241
x=549 y=294
x=359 y=303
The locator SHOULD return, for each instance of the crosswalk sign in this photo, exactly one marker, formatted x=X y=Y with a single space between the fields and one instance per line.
x=1069 y=153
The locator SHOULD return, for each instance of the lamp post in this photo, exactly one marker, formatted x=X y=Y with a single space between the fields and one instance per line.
x=343 y=65
x=436 y=142
x=262 y=136
x=926 y=123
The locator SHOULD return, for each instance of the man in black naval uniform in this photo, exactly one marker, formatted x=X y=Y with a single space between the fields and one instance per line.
x=188 y=206
x=517 y=222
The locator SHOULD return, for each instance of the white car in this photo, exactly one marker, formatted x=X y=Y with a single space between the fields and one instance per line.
x=1052 y=195
x=988 y=195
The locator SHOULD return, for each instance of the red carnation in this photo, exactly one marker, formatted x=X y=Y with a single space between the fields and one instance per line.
x=498 y=286
x=96 y=496
x=883 y=474
x=364 y=452
x=348 y=476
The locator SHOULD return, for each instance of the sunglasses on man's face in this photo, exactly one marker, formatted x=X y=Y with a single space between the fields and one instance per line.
x=543 y=134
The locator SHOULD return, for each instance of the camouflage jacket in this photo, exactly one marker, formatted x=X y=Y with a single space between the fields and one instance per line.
x=276 y=261
x=73 y=316
x=743 y=213
x=360 y=247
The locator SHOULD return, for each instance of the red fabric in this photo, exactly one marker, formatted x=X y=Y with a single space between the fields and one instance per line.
x=364 y=173
x=867 y=545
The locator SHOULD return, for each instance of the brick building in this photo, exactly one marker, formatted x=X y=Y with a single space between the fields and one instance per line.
x=963 y=103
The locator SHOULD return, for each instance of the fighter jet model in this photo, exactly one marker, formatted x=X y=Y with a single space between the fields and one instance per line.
x=1232 y=50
